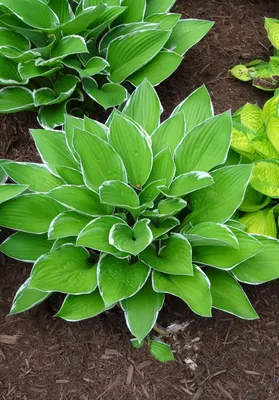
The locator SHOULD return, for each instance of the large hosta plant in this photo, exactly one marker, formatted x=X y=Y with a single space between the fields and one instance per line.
x=54 y=51
x=127 y=212
x=256 y=139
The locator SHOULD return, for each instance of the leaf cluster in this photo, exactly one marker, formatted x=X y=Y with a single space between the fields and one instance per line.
x=56 y=55
x=263 y=74
x=134 y=209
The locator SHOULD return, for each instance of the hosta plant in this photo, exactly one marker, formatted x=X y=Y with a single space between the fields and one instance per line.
x=256 y=139
x=56 y=51
x=127 y=212
x=263 y=75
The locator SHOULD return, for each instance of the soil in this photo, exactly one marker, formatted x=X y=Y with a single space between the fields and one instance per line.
x=222 y=358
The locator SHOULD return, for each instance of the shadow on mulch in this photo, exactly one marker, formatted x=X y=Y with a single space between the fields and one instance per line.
x=221 y=358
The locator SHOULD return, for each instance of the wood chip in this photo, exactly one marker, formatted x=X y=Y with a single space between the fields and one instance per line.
x=130 y=374
x=2 y=354
x=198 y=394
x=62 y=381
x=145 y=391
x=223 y=391
x=252 y=372
x=144 y=364
x=9 y=339
x=37 y=390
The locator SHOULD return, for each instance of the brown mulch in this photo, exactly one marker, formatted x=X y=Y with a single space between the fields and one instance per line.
x=223 y=358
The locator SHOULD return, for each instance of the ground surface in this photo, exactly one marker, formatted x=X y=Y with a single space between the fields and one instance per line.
x=45 y=358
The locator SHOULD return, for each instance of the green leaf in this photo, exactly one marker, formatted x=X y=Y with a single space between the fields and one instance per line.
x=53 y=149
x=104 y=21
x=70 y=176
x=118 y=194
x=30 y=213
x=241 y=72
x=118 y=279
x=142 y=309
x=263 y=146
x=133 y=147
x=251 y=116
x=8 y=191
x=136 y=344
x=194 y=290
x=163 y=168
x=169 y=134
x=100 y=162
x=129 y=53
x=69 y=223
x=9 y=75
x=151 y=191
x=263 y=267
x=164 y=21
x=93 y=66
x=14 y=99
x=205 y=146
x=228 y=257
x=228 y=295
x=62 y=241
x=158 y=6
x=187 y=183
x=71 y=123
x=62 y=9
x=253 y=200
x=174 y=258
x=197 y=108
x=84 y=306
x=96 y=128
x=9 y=38
x=217 y=203
x=153 y=70
x=63 y=89
x=81 y=199
x=65 y=270
x=122 y=30
x=110 y=95
x=134 y=11
x=82 y=21
x=171 y=206
x=272 y=27
x=265 y=178
x=242 y=141
x=49 y=117
x=163 y=226
x=35 y=13
x=187 y=33
x=95 y=235
x=29 y=69
x=144 y=107
x=72 y=44
x=260 y=222
x=131 y=240
x=211 y=234
x=27 y=298
x=36 y=176
x=26 y=247
x=161 y=351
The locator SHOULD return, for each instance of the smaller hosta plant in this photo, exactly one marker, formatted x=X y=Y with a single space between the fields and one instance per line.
x=256 y=139
x=127 y=212
x=54 y=51
x=263 y=74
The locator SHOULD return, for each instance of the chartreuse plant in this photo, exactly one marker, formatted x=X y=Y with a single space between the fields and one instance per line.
x=263 y=75
x=56 y=51
x=127 y=212
x=256 y=138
